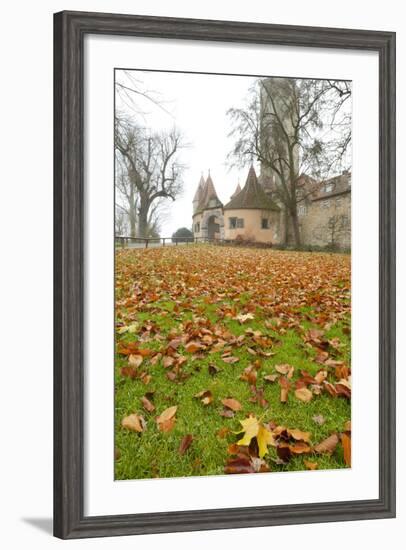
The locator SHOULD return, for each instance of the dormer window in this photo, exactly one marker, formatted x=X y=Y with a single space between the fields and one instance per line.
x=328 y=187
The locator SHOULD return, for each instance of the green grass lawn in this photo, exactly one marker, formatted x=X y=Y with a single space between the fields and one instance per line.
x=162 y=294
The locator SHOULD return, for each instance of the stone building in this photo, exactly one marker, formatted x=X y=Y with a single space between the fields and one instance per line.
x=208 y=220
x=253 y=213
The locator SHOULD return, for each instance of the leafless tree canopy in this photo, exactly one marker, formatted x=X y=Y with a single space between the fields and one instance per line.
x=293 y=127
x=147 y=173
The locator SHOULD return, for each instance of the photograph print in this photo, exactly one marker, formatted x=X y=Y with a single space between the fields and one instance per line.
x=232 y=274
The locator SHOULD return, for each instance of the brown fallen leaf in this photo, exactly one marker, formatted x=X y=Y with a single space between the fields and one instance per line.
x=168 y=361
x=239 y=465
x=303 y=394
x=271 y=377
x=232 y=404
x=146 y=403
x=213 y=369
x=320 y=376
x=185 y=443
x=135 y=360
x=299 y=435
x=166 y=420
x=284 y=385
x=134 y=422
x=299 y=448
x=284 y=369
x=346 y=443
x=328 y=445
x=222 y=432
x=310 y=465
x=330 y=388
x=192 y=347
x=347 y=426
x=128 y=372
x=343 y=387
x=230 y=359
x=249 y=375
x=205 y=396
x=227 y=413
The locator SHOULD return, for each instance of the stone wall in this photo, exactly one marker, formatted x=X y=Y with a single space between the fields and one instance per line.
x=327 y=222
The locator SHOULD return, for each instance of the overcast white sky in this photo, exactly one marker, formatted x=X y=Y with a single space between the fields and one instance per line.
x=197 y=104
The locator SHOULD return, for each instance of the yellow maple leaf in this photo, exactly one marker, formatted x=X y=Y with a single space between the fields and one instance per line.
x=250 y=426
x=264 y=438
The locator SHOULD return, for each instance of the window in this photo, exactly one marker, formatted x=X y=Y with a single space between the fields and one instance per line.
x=265 y=223
x=325 y=204
x=338 y=202
x=236 y=222
x=328 y=187
x=302 y=210
x=197 y=227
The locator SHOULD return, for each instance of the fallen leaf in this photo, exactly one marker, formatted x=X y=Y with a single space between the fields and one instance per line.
x=299 y=447
x=222 y=432
x=299 y=435
x=166 y=420
x=134 y=422
x=232 y=404
x=205 y=396
x=185 y=443
x=264 y=438
x=303 y=394
x=128 y=372
x=271 y=377
x=310 y=465
x=244 y=317
x=167 y=361
x=146 y=403
x=328 y=445
x=346 y=443
x=230 y=359
x=250 y=427
x=135 y=360
x=192 y=347
x=213 y=369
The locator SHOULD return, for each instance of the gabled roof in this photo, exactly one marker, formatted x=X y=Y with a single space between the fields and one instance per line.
x=337 y=185
x=251 y=196
x=208 y=197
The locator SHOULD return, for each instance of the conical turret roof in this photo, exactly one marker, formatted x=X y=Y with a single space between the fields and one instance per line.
x=237 y=190
x=199 y=189
x=208 y=197
x=251 y=196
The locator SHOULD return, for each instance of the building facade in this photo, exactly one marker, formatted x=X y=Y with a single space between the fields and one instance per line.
x=253 y=213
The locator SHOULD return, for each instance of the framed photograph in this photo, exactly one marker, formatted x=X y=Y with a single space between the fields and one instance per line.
x=224 y=274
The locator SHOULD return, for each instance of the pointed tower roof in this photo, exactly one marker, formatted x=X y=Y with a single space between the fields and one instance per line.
x=208 y=197
x=199 y=189
x=237 y=190
x=252 y=196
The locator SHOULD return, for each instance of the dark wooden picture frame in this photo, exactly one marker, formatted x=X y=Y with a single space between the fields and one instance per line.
x=69 y=31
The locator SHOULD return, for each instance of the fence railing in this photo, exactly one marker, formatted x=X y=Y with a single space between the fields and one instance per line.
x=140 y=242
x=125 y=241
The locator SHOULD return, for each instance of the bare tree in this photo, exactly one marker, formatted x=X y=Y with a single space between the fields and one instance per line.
x=148 y=171
x=290 y=126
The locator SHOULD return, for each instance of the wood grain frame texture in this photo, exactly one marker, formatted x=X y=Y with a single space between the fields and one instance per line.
x=69 y=31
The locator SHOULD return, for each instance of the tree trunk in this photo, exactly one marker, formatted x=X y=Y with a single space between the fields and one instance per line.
x=143 y=218
x=133 y=221
x=295 y=226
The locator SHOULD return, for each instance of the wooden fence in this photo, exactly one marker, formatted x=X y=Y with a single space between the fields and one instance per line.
x=140 y=242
